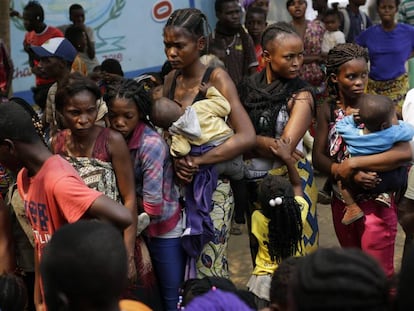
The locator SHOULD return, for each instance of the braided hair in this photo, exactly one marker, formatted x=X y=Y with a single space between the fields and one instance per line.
x=339 y=55
x=276 y=31
x=193 y=20
x=131 y=90
x=285 y=225
x=340 y=279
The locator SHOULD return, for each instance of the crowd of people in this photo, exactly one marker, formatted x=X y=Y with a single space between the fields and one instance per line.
x=121 y=194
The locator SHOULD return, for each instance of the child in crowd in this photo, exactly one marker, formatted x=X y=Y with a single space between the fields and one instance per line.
x=280 y=283
x=195 y=131
x=255 y=24
x=77 y=36
x=84 y=267
x=371 y=130
x=278 y=226
x=129 y=107
x=332 y=35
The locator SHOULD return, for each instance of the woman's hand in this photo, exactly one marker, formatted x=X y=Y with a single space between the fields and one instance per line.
x=132 y=270
x=366 y=180
x=185 y=168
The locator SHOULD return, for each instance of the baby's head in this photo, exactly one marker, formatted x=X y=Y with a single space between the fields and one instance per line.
x=332 y=19
x=376 y=112
x=165 y=112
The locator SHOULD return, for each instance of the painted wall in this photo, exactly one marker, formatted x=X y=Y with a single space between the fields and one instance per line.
x=130 y=31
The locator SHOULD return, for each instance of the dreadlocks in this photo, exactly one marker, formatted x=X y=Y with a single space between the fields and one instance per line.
x=285 y=225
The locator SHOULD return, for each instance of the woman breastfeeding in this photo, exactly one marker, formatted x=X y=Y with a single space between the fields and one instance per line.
x=184 y=39
x=100 y=155
x=280 y=106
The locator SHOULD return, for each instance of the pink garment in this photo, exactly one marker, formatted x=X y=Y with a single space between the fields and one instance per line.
x=374 y=234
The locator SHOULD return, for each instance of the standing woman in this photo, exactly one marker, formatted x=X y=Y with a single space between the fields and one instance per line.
x=347 y=69
x=157 y=195
x=99 y=154
x=281 y=106
x=184 y=40
x=389 y=44
x=311 y=33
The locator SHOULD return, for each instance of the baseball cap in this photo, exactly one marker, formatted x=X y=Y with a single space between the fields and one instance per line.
x=56 y=47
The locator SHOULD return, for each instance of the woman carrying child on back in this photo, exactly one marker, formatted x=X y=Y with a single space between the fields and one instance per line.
x=278 y=225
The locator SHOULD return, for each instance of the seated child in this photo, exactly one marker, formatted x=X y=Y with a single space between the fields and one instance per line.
x=194 y=131
x=374 y=134
x=278 y=226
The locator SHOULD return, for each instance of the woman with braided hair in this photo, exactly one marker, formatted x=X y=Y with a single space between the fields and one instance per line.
x=375 y=233
x=129 y=108
x=281 y=106
x=184 y=38
x=277 y=226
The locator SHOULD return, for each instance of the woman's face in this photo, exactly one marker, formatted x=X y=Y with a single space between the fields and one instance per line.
x=387 y=10
x=284 y=56
x=123 y=116
x=80 y=112
x=352 y=78
x=297 y=8
x=180 y=47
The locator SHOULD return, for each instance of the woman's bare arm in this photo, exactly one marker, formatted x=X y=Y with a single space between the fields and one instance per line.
x=122 y=165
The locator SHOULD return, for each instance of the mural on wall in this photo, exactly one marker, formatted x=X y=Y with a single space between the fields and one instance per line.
x=129 y=31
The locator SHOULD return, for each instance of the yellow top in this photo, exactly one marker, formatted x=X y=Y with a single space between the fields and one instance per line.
x=260 y=229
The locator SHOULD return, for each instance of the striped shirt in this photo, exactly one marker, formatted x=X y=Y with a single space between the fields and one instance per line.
x=406 y=12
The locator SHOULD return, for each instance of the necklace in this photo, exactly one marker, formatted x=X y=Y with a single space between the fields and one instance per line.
x=231 y=44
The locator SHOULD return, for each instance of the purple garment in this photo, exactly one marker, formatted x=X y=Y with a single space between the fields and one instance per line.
x=198 y=205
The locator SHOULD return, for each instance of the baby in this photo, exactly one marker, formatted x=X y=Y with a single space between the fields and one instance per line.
x=196 y=130
x=332 y=35
x=374 y=133
x=201 y=124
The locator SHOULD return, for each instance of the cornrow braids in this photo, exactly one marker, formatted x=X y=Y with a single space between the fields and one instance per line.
x=132 y=90
x=285 y=225
x=193 y=20
x=337 y=56
x=275 y=31
x=340 y=279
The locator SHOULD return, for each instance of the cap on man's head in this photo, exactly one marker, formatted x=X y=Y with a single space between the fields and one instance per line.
x=56 y=47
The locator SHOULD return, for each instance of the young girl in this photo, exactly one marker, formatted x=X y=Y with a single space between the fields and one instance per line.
x=278 y=225
x=375 y=234
x=129 y=108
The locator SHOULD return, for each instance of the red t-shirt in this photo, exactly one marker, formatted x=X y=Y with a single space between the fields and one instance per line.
x=56 y=195
x=38 y=39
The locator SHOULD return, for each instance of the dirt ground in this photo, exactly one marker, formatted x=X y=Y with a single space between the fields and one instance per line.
x=239 y=254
